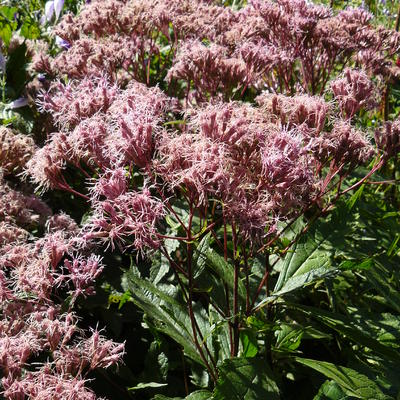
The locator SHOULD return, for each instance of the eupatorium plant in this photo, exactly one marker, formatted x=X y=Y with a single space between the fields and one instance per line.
x=196 y=134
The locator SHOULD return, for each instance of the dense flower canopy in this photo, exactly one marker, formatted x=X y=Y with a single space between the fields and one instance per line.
x=249 y=112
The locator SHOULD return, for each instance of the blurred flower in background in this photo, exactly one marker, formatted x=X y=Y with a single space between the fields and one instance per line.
x=53 y=7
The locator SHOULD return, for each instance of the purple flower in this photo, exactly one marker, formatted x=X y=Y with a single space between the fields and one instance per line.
x=41 y=77
x=19 y=103
x=62 y=43
x=58 y=6
x=49 y=10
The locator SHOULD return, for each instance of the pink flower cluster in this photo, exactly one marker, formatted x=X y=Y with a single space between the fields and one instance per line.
x=31 y=276
x=34 y=273
x=198 y=138
x=270 y=158
x=283 y=45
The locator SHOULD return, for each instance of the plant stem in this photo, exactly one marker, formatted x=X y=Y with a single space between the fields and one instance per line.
x=235 y=349
x=195 y=327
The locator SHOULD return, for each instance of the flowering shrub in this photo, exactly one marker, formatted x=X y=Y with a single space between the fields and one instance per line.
x=213 y=145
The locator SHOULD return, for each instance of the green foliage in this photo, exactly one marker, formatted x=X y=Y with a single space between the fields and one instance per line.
x=352 y=382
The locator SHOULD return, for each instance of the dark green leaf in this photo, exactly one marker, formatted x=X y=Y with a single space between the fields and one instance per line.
x=245 y=379
x=330 y=390
x=346 y=327
x=351 y=381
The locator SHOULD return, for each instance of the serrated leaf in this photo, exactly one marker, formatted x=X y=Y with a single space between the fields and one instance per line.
x=346 y=327
x=288 y=337
x=356 y=265
x=310 y=258
x=245 y=379
x=170 y=318
x=351 y=381
x=249 y=344
x=199 y=256
x=330 y=390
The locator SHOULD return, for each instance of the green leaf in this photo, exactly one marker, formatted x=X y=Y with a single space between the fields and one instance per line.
x=199 y=395
x=245 y=379
x=385 y=327
x=351 y=381
x=356 y=265
x=225 y=271
x=310 y=258
x=289 y=337
x=330 y=390
x=147 y=385
x=199 y=256
x=30 y=30
x=354 y=197
x=379 y=278
x=346 y=327
x=7 y=23
x=16 y=69
x=165 y=312
x=249 y=343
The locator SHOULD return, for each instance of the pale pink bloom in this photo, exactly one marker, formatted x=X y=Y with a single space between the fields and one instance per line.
x=345 y=144
x=198 y=164
x=11 y=233
x=82 y=273
x=353 y=91
x=293 y=111
x=35 y=278
x=47 y=384
x=88 y=142
x=129 y=220
x=57 y=330
x=102 y=352
x=388 y=138
x=111 y=184
x=70 y=103
x=18 y=208
x=55 y=245
x=62 y=222
x=210 y=68
x=234 y=124
x=45 y=168
x=6 y=294
x=16 y=350
x=288 y=170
